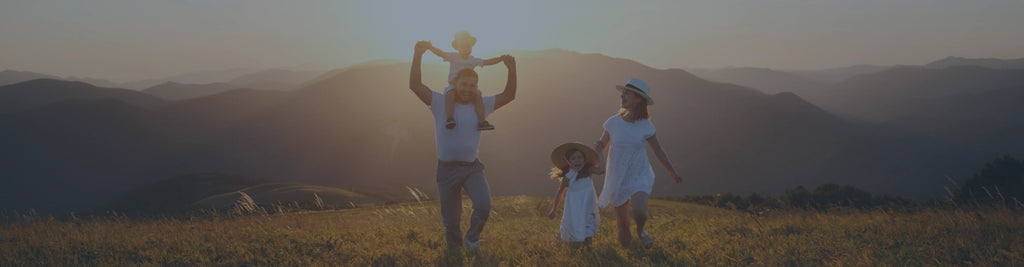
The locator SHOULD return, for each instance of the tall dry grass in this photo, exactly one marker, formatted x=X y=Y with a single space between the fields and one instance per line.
x=519 y=234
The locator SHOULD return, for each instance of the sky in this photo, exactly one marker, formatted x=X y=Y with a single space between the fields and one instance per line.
x=126 y=40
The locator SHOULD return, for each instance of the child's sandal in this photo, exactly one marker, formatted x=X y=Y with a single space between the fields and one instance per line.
x=484 y=126
x=450 y=123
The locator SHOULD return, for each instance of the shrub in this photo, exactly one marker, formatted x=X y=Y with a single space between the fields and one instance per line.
x=1000 y=182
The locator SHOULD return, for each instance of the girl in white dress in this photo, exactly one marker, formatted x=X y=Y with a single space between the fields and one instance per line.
x=574 y=163
x=630 y=177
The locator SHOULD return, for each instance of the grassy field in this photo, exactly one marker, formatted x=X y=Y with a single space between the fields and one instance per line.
x=518 y=234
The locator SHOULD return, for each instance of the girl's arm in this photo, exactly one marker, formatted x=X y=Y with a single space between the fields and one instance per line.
x=558 y=200
x=599 y=169
x=653 y=142
x=437 y=51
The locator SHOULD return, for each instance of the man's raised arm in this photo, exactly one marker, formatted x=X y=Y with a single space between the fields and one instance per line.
x=509 y=94
x=415 y=75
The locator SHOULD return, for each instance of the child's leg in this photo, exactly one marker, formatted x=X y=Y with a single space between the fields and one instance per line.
x=449 y=108
x=478 y=106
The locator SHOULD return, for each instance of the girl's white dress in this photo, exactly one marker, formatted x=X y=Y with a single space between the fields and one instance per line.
x=580 y=216
x=628 y=170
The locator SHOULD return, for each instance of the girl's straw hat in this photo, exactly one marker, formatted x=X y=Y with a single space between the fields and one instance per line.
x=558 y=155
x=638 y=86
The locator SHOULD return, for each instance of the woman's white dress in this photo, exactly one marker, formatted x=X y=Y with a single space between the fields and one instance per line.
x=628 y=170
x=580 y=216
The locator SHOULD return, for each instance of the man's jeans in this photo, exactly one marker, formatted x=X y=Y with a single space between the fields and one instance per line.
x=452 y=177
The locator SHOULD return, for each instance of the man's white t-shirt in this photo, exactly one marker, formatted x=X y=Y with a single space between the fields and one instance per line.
x=457 y=63
x=461 y=143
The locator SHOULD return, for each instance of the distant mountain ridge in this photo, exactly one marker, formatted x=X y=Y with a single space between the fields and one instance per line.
x=992 y=63
x=196 y=77
x=837 y=75
x=971 y=108
x=334 y=72
x=273 y=79
x=766 y=80
x=93 y=81
x=8 y=77
x=868 y=93
x=179 y=91
x=39 y=92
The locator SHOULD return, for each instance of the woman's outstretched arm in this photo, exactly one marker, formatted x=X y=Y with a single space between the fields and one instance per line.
x=653 y=142
x=602 y=143
x=599 y=146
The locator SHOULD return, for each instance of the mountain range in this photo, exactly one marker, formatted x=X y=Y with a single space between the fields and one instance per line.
x=992 y=63
x=766 y=80
x=180 y=91
x=12 y=76
x=774 y=81
x=266 y=79
x=196 y=77
x=872 y=96
x=273 y=79
x=42 y=92
x=363 y=129
x=970 y=103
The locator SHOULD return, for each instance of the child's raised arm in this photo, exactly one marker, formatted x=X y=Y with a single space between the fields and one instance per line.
x=437 y=51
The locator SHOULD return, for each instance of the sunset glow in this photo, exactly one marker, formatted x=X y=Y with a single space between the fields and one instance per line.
x=125 y=40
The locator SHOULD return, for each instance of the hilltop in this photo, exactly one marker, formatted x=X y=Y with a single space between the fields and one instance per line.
x=519 y=234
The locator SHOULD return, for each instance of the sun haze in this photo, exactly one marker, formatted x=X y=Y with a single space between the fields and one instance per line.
x=126 y=40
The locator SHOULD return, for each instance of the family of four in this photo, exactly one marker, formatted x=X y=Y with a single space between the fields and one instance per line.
x=628 y=174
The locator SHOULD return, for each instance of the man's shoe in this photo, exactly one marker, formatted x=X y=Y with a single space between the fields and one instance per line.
x=472 y=245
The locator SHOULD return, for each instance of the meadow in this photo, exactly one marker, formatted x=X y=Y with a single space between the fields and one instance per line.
x=519 y=234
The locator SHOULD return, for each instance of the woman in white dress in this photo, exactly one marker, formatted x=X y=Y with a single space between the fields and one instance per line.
x=629 y=176
x=574 y=163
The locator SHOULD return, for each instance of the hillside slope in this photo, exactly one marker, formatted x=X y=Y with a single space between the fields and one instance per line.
x=519 y=233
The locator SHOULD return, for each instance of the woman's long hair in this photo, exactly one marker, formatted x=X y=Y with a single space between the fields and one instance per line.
x=636 y=112
x=559 y=173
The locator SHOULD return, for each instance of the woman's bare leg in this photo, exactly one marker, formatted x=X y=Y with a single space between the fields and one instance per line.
x=622 y=220
x=639 y=203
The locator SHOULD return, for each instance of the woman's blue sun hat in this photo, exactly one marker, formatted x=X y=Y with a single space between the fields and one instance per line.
x=638 y=86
